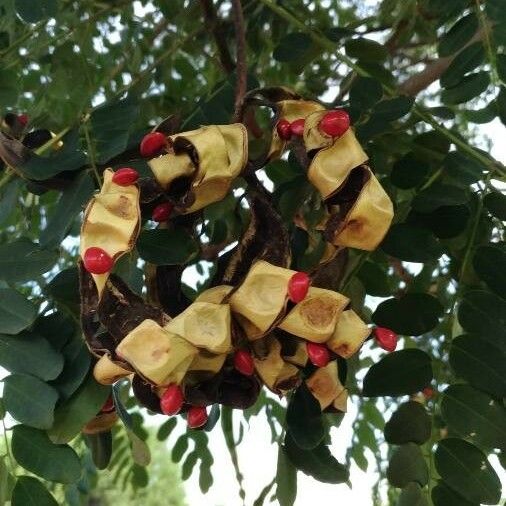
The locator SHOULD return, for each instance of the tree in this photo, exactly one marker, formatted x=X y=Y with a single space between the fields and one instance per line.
x=82 y=83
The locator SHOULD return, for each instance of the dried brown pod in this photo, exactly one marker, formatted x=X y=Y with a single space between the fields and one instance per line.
x=349 y=334
x=324 y=384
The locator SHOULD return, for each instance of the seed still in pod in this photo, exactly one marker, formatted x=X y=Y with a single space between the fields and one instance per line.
x=172 y=400
x=97 y=261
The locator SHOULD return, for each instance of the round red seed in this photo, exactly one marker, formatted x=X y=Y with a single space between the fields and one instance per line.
x=386 y=338
x=23 y=119
x=243 y=362
x=428 y=392
x=172 y=400
x=108 y=405
x=297 y=127
x=125 y=176
x=196 y=417
x=283 y=129
x=162 y=212
x=318 y=354
x=298 y=286
x=152 y=144
x=335 y=123
x=97 y=261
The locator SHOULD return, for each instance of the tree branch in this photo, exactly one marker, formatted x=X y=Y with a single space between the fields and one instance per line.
x=214 y=26
x=241 y=67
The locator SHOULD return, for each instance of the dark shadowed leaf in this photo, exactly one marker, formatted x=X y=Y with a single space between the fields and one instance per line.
x=366 y=50
x=16 y=313
x=393 y=108
x=474 y=415
x=412 y=495
x=443 y=495
x=286 y=479
x=399 y=373
x=412 y=314
x=409 y=424
x=24 y=260
x=466 y=61
x=469 y=87
x=29 y=491
x=438 y=195
x=479 y=363
x=409 y=171
x=484 y=314
x=34 y=451
x=375 y=279
x=318 y=462
x=462 y=169
x=101 y=448
x=292 y=47
x=465 y=469
x=304 y=418
x=489 y=262
x=460 y=33
x=32 y=11
x=167 y=247
x=29 y=400
x=406 y=465
x=495 y=203
x=365 y=92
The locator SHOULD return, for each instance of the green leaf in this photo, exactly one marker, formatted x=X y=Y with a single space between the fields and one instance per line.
x=33 y=450
x=447 y=221
x=64 y=289
x=495 y=10
x=73 y=414
x=501 y=104
x=8 y=88
x=495 y=202
x=409 y=424
x=366 y=50
x=375 y=279
x=68 y=158
x=166 y=429
x=5 y=477
x=392 y=109
x=69 y=206
x=479 y=363
x=484 y=315
x=469 y=87
x=33 y=11
x=431 y=146
x=16 y=313
x=286 y=479
x=412 y=495
x=111 y=124
x=458 y=35
x=100 y=446
x=484 y=115
x=406 y=465
x=466 y=470
x=29 y=400
x=489 y=263
x=24 y=260
x=443 y=495
x=30 y=491
x=438 y=195
x=412 y=314
x=466 y=61
x=462 y=169
x=31 y=354
x=411 y=243
x=304 y=418
x=365 y=92
x=318 y=462
x=409 y=171
x=501 y=67
x=402 y=372
x=292 y=47
x=167 y=247
x=474 y=415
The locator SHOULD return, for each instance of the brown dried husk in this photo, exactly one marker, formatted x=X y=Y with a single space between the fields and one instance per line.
x=324 y=384
x=349 y=335
x=209 y=158
x=107 y=371
x=111 y=222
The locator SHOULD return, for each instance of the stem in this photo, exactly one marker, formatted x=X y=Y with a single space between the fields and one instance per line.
x=51 y=142
x=241 y=67
x=228 y=432
x=91 y=153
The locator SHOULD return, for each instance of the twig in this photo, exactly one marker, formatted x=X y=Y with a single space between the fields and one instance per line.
x=241 y=67
x=213 y=25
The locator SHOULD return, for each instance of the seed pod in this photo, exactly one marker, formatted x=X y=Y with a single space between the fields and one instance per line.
x=349 y=334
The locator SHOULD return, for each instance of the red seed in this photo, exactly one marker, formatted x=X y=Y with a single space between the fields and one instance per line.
x=243 y=362
x=298 y=286
x=196 y=417
x=172 y=400
x=335 y=123
x=318 y=354
x=97 y=261
x=125 y=176
x=108 y=405
x=283 y=129
x=162 y=212
x=386 y=338
x=23 y=119
x=428 y=392
x=152 y=144
x=297 y=127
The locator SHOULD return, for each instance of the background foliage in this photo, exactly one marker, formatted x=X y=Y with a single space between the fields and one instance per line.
x=417 y=77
